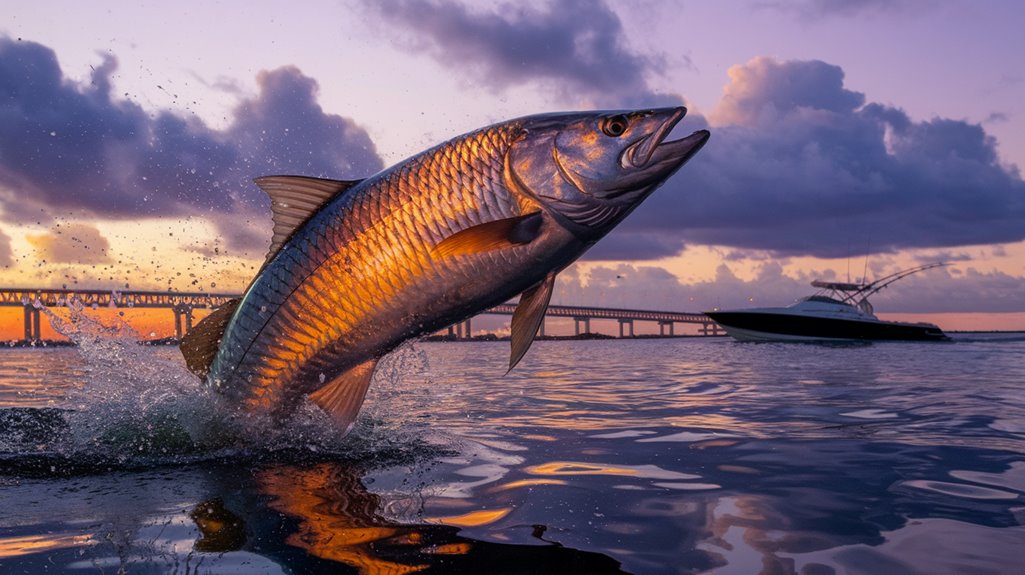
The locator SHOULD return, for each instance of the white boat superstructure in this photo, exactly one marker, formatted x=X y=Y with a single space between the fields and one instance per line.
x=838 y=311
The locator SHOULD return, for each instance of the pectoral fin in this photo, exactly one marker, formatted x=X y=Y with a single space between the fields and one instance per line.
x=342 y=397
x=200 y=344
x=528 y=317
x=488 y=236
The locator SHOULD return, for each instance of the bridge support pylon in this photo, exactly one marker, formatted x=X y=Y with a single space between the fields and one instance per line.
x=460 y=330
x=33 y=331
x=577 y=321
x=630 y=327
x=662 y=328
x=182 y=312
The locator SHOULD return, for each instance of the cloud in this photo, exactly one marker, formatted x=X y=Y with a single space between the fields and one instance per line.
x=765 y=90
x=799 y=165
x=76 y=148
x=815 y=10
x=6 y=254
x=576 y=48
x=652 y=287
x=71 y=243
x=996 y=118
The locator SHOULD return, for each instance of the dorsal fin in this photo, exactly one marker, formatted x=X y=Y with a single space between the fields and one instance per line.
x=200 y=344
x=294 y=199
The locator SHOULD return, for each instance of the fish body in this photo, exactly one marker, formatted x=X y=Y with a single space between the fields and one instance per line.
x=357 y=268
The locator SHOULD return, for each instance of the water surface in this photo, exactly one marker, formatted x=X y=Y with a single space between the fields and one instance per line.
x=647 y=456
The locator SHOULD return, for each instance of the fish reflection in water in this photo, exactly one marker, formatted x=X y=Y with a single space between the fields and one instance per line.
x=331 y=516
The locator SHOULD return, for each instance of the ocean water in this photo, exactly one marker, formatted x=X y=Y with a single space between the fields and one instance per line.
x=646 y=456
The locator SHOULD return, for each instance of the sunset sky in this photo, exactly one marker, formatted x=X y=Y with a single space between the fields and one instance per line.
x=847 y=135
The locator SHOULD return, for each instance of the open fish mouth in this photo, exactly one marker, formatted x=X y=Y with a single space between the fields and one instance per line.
x=652 y=147
x=652 y=159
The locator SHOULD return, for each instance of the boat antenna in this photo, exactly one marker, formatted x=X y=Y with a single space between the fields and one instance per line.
x=864 y=272
x=861 y=291
x=848 y=259
x=876 y=286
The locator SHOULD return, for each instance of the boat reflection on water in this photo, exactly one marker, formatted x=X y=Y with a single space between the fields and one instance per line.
x=326 y=512
x=837 y=312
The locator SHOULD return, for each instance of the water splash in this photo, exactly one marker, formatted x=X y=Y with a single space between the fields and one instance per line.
x=133 y=403
x=139 y=406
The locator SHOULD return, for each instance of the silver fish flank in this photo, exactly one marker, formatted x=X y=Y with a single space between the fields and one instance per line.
x=357 y=267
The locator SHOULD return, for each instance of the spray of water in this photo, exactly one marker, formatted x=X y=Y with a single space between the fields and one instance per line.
x=139 y=405
x=134 y=403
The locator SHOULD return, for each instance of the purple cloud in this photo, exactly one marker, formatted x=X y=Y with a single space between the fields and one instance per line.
x=76 y=147
x=814 y=10
x=575 y=48
x=800 y=167
x=797 y=164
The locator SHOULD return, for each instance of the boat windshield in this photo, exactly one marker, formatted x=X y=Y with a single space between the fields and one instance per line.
x=866 y=306
x=823 y=299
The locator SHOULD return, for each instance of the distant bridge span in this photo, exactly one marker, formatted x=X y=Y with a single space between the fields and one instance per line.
x=582 y=316
x=183 y=304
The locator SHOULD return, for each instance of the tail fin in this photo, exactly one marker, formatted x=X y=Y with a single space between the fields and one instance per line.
x=200 y=345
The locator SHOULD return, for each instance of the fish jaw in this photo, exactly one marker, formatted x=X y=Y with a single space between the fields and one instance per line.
x=639 y=153
x=653 y=161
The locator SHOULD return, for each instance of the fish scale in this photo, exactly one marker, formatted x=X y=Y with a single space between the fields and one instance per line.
x=356 y=268
x=386 y=244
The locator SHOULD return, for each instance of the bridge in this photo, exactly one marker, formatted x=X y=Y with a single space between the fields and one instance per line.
x=182 y=305
x=582 y=316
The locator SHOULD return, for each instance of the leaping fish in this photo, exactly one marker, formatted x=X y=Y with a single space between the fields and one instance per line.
x=355 y=268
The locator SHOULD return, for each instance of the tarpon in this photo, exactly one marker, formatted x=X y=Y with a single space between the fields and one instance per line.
x=355 y=268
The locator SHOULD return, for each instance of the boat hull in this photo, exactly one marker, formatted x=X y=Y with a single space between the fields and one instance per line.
x=762 y=326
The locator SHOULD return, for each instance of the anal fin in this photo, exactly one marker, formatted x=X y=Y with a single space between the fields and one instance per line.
x=342 y=397
x=527 y=318
x=200 y=344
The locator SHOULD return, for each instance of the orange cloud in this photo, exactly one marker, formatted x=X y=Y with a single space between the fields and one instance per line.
x=75 y=243
x=6 y=257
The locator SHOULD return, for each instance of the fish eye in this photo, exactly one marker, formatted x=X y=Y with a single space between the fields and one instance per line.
x=615 y=126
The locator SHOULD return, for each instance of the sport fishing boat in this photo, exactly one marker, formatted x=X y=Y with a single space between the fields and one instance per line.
x=837 y=312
